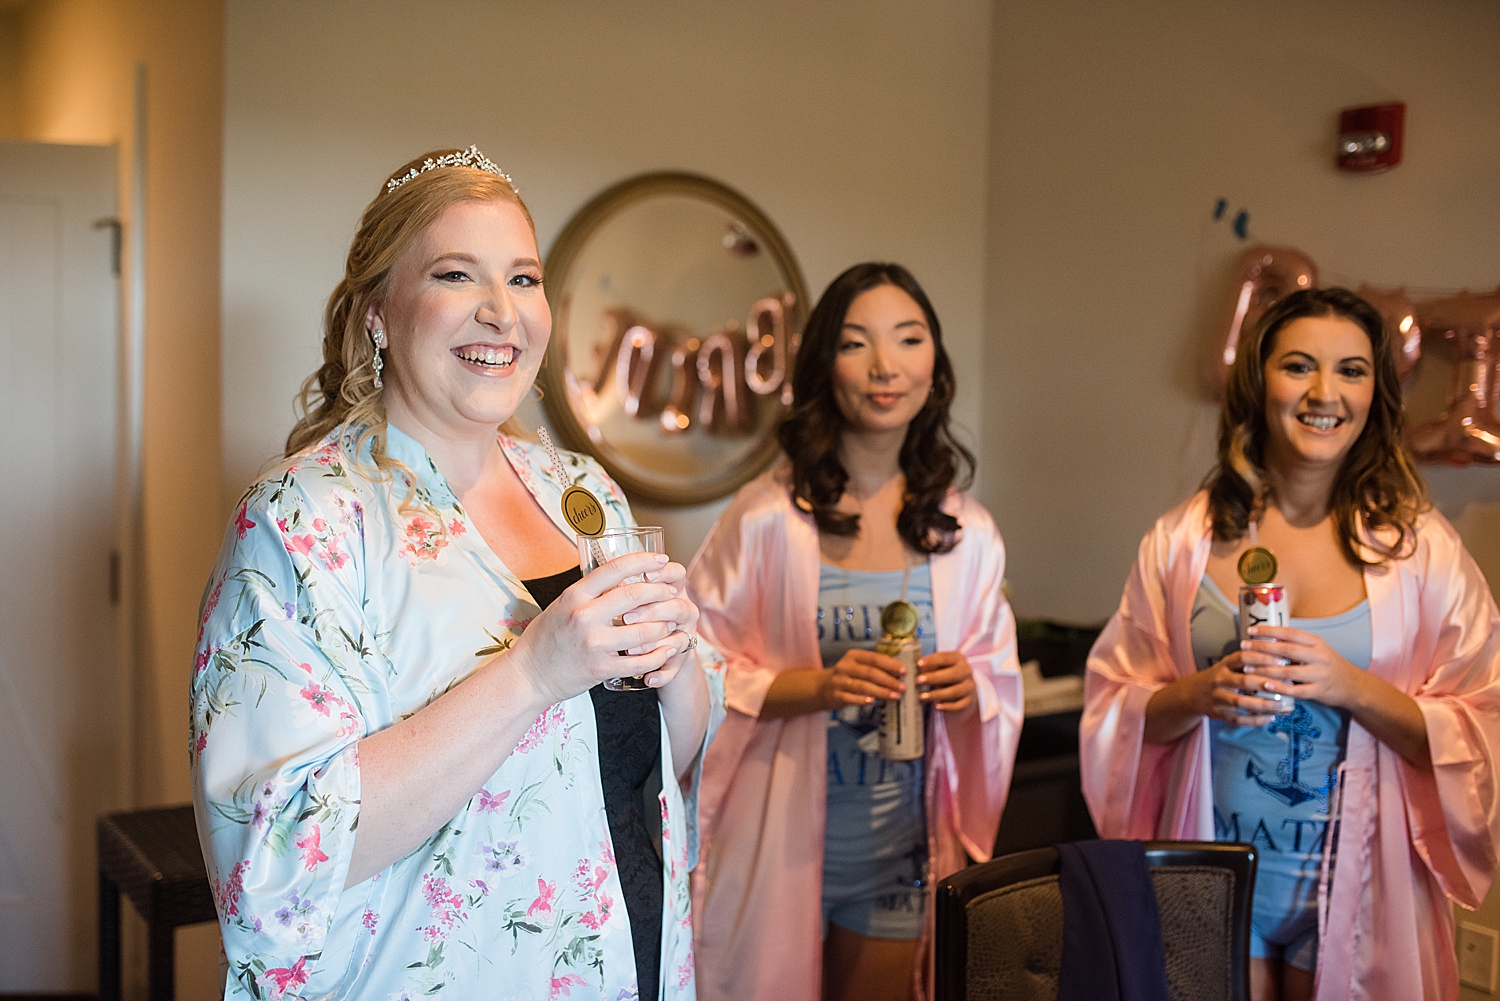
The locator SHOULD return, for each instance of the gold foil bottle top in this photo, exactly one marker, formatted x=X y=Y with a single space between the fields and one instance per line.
x=1258 y=566
x=899 y=619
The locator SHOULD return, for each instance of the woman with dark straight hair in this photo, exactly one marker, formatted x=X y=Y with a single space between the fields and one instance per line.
x=1354 y=743
x=810 y=835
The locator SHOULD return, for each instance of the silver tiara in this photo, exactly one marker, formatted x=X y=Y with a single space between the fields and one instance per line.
x=470 y=157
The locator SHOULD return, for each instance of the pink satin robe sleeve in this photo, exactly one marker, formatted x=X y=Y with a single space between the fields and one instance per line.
x=1419 y=838
x=758 y=888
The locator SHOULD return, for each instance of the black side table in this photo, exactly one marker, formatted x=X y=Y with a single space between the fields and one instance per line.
x=152 y=856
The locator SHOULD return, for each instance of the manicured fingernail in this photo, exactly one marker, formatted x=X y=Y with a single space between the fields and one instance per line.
x=1244 y=644
x=921 y=679
x=1249 y=668
x=661 y=557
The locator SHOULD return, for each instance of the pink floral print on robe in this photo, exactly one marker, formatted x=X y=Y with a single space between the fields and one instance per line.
x=333 y=613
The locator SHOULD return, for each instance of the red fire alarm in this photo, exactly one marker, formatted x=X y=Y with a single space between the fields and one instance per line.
x=1370 y=137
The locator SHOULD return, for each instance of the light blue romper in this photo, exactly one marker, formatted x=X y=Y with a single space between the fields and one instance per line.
x=1273 y=784
x=875 y=843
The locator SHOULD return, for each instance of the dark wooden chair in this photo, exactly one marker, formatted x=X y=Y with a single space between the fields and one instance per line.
x=1000 y=925
x=152 y=857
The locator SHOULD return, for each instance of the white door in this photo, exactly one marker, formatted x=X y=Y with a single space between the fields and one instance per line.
x=59 y=750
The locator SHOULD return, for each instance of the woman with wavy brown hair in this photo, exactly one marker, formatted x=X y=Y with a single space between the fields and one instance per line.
x=1355 y=746
x=408 y=776
x=810 y=836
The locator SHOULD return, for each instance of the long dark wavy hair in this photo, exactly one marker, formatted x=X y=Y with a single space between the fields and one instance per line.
x=932 y=460
x=1378 y=483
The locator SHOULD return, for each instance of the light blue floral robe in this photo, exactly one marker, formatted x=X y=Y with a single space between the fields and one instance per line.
x=332 y=614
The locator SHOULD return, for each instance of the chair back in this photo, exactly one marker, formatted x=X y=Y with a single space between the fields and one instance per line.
x=1000 y=925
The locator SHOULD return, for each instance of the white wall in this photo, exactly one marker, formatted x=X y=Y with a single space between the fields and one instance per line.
x=1115 y=129
x=861 y=133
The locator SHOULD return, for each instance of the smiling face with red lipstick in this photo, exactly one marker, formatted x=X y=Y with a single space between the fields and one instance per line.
x=882 y=371
x=465 y=320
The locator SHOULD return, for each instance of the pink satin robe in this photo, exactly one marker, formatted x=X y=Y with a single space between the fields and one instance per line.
x=1409 y=839
x=757 y=892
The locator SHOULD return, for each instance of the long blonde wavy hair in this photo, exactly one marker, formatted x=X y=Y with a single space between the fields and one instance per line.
x=342 y=392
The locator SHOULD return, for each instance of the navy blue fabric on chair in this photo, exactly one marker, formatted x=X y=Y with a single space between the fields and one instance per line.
x=1112 y=947
x=999 y=934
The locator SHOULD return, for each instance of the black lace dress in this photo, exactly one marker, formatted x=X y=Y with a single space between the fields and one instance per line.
x=630 y=766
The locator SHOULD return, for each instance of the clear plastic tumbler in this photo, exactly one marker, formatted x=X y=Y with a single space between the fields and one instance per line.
x=614 y=543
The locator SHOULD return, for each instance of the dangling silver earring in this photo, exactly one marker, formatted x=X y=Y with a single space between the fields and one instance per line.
x=377 y=337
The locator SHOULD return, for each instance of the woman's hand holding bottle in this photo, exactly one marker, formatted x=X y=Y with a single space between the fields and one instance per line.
x=949 y=680
x=1221 y=692
x=1302 y=664
x=862 y=676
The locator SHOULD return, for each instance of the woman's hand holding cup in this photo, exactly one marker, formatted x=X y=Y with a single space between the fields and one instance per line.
x=678 y=612
x=577 y=642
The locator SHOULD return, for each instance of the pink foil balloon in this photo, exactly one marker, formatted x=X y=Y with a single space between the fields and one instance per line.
x=1263 y=277
x=1467 y=430
x=677 y=415
x=724 y=407
x=774 y=337
x=1401 y=324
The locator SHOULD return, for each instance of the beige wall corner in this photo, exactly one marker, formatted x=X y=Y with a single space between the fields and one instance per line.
x=10 y=73
x=76 y=83
x=78 y=61
x=184 y=55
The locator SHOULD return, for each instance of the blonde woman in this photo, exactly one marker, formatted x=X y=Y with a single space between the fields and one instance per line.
x=397 y=726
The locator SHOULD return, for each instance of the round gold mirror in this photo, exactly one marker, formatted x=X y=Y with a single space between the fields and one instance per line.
x=676 y=311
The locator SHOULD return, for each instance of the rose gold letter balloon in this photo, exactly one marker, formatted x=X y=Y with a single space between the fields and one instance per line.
x=1466 y=327
x=772 y=337
x=723 y=409
x=1263 y=277
x=676 y=416
x=1401 y=324
x=631 y=379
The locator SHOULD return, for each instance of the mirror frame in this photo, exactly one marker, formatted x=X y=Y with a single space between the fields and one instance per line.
x=558 y=270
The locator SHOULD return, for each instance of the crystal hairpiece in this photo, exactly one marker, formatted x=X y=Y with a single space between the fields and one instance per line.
x=470 y=157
